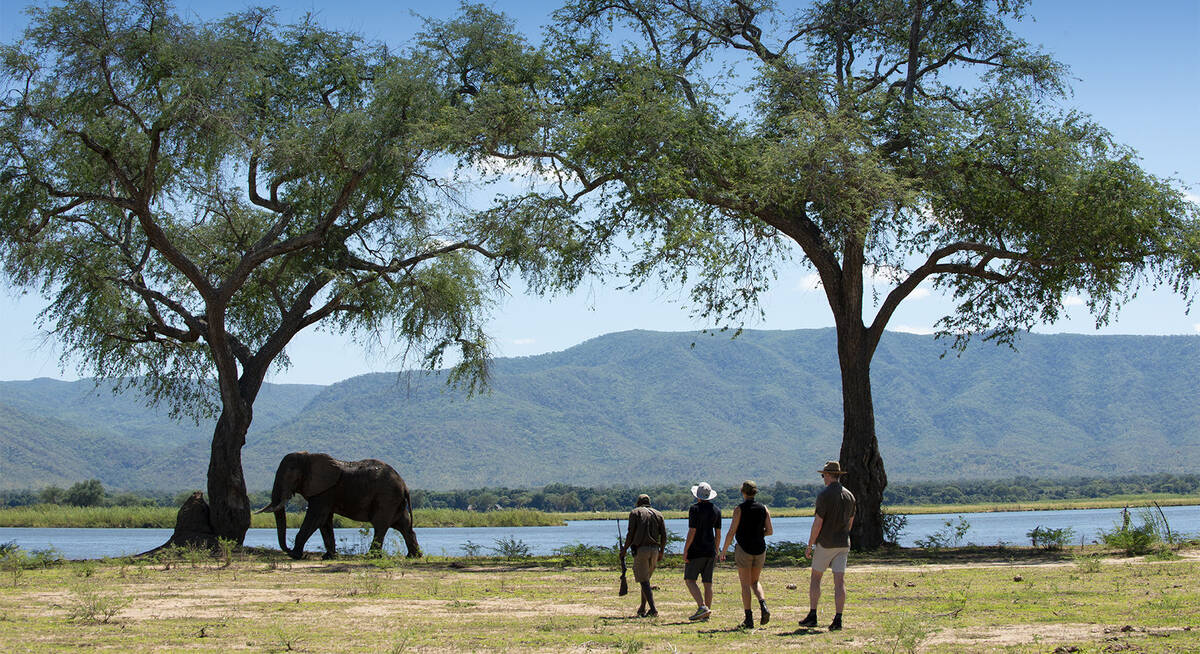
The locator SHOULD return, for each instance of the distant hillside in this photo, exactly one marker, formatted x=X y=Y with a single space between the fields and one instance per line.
x=56 y=432
x=642 y=407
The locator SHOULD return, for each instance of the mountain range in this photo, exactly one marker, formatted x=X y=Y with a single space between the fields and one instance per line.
x=653 y=407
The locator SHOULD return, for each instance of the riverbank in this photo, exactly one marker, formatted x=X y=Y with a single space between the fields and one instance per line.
x=1120 y=501
x=56 y=516
x=266 y=602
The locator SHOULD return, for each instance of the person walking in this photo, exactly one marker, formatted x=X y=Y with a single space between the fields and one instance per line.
x=833 y=518
x=647 y=536
x=700 y=548
x=751 y=524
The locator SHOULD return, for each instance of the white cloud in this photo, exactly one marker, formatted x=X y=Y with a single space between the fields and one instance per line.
x=809 y=282
x=524 y=341
x=919 y=293
x=909 y=329
x=1073 y=301
x=1197 y=326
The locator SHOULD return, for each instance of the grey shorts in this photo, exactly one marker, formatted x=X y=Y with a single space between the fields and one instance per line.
x=701 y=567
x=830 y=557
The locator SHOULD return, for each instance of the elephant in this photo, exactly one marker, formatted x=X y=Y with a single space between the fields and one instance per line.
x=368 y=491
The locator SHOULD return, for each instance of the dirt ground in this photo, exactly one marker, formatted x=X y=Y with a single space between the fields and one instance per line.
x=1134 y=605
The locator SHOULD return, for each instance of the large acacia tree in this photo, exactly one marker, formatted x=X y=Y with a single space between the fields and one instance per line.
x=918 y=141
x=191 y=195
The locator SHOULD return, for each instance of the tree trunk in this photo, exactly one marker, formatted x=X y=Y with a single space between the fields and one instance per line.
x=859 y=456
x=227 y=498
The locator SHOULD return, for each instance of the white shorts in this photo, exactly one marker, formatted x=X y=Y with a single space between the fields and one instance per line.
x=830 y=557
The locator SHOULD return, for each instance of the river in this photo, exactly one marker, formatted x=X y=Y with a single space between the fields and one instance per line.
x=985 y=529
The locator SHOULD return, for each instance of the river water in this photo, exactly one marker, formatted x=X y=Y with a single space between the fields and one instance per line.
x=985 y=529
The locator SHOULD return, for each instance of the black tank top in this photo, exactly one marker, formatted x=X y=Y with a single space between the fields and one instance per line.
x=751 y=525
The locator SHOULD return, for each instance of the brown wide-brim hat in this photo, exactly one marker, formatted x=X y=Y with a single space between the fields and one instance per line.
x=833 y=468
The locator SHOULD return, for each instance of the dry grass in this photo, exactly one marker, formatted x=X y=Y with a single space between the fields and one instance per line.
x=264 y=603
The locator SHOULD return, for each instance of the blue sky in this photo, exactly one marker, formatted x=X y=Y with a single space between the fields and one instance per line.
x=1136 y=70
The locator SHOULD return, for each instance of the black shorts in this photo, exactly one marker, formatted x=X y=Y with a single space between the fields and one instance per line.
x=700 y=567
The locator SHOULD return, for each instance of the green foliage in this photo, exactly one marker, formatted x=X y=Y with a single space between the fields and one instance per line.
x=894 y=525
x=786 y=552
x=1133 y=540
x=85 y=493
x=1050 y=539
x=580 y=554
x=88 y=603
x=705 y=146
x=189 y=195
x=1089 y=564
x=950 y=535
x=511 y=548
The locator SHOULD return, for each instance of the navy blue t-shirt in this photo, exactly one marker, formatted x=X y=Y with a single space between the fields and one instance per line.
x=705 y=518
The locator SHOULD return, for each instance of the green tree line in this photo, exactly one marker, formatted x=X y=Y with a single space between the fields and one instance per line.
x=566 y=498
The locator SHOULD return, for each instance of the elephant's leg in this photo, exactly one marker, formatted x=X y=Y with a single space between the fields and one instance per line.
x=327 y=536
x=381 y=527
x=404 y=525
x=311 y=520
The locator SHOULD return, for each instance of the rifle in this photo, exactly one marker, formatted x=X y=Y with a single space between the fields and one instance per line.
x=624 y=590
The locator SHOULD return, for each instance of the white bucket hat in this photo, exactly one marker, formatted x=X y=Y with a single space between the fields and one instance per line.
x=703 y=491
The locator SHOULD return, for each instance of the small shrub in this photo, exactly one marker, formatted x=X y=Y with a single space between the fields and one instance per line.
x=1088 y=564
x=1049 y=539
x=951 y=535
x=86 y=569
x=472 y=550
x=14 y=561
x=1133 y=540
x=907 y=632
x=1163 y=554
x=894 y=525
x=786 y=552
x=225 y=549
x=88 y=604
x=511 y=548
x=580 y=554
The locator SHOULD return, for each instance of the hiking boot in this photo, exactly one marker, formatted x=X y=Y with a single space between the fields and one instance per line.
x=766 y=617
x=641 y=613
x=809 y=621
x=652 y=613
x=836 y=625
x=748 y=623
x=701 y=613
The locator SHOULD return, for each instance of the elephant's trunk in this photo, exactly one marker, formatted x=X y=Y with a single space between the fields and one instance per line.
x=279 y=499
x=281 y=527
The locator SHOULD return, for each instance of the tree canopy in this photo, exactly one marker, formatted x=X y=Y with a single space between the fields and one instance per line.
x=190 y=195
x=917 y=140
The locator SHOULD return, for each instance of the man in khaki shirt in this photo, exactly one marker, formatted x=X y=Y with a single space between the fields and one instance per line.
x=647 y=536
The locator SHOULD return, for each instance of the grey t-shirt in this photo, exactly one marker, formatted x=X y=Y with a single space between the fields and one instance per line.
x=835 y=506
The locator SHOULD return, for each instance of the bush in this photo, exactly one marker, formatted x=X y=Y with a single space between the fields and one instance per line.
x=1049 y=539
x=786 y=552
x=1134 y=541
x=511 y=548
x=950 y=535
x=894 y=525
x=580 y=555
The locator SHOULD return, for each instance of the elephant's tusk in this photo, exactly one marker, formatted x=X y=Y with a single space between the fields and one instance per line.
x=270 y=508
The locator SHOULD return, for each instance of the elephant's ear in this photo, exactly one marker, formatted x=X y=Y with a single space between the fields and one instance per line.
x=323 y=473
